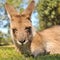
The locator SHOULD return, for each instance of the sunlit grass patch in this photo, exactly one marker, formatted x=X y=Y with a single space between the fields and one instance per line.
x=9 y=53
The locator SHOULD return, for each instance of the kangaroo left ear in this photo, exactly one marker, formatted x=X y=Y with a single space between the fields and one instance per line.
x=10 y=10
x=29 y=9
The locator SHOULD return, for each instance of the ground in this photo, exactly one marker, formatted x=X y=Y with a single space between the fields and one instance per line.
x=9 y=53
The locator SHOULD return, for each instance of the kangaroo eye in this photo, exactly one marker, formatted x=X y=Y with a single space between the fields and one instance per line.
x=14 y=30
x=28 y=18
x=28 y=29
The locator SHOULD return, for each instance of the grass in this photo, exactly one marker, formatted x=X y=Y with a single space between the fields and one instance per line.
x=9 y=53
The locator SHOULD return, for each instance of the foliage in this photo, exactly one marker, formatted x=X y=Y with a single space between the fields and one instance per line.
x=4 y=39
x=15 y=3
x=9 y=53
x=1 y=37
x=48 y=13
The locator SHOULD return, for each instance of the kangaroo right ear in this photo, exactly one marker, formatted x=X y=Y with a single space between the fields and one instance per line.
x=10 y=10
x=29 y=9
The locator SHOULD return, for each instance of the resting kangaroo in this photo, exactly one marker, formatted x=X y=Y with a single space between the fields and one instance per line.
x=26 y=39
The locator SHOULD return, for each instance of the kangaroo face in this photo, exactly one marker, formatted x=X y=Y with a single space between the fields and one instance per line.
x=21 y=29
x=20 y=24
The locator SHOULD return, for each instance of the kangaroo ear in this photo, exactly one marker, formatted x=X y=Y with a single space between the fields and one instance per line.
x=29 y=9
x=10 y=10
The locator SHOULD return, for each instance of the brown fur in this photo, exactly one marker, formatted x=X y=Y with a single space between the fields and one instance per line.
x=47 y=41
x=26 y=39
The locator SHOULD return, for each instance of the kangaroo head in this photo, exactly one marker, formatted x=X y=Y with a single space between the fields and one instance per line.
x=20 y=24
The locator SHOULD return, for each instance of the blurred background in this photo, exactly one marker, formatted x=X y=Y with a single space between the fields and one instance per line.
x=46 y=14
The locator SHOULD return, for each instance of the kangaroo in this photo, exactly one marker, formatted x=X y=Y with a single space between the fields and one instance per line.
x=26 y=39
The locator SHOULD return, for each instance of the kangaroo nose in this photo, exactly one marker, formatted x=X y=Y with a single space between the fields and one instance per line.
x=22 y=41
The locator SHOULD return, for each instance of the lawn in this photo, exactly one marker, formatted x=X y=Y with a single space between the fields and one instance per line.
x=9 y=53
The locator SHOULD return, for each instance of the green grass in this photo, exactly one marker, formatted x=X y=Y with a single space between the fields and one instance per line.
x=9 y=53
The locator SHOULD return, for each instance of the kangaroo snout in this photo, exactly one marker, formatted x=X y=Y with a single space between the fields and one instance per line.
x=22 y=41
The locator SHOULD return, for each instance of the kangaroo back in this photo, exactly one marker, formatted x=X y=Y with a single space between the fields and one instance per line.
x=46 y=41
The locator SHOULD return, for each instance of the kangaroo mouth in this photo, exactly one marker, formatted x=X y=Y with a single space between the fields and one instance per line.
x=22 y=43
x=25 y=48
